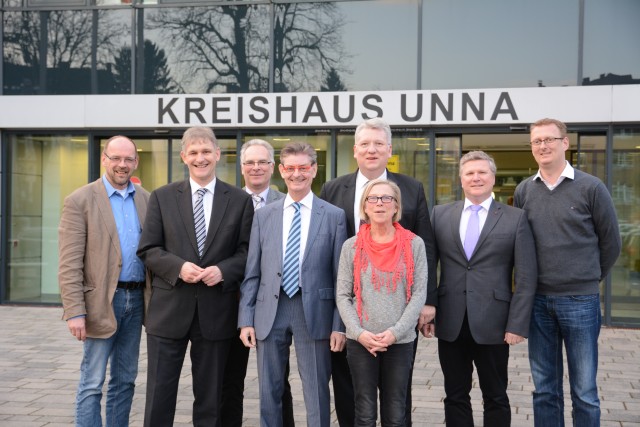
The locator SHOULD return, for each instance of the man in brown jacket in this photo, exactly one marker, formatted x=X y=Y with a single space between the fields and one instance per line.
x=102 y=282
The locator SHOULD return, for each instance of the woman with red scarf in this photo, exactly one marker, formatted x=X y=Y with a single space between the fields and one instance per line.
x=382 y=285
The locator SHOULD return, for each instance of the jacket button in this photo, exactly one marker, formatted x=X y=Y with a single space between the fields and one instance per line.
x=275 y=296
x=464 y=292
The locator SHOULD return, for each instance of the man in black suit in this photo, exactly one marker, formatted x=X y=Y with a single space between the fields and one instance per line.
x=372 y=150
x=197 y=266
x=481 y=245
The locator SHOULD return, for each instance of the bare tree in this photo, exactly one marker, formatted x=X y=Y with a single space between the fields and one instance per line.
x=229 y=46
x=60 y=38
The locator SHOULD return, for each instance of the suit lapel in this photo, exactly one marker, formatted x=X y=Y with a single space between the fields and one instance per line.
x=348 y=199
x=317 y=213
x=455 y=227
x=106 y=213
x=184 y=201
x=494 y=214
x=219 y=207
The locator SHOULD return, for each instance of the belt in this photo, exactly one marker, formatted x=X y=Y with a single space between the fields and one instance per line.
x=131 y=285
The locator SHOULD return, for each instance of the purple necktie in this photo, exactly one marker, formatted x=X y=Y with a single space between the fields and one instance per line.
x=473 y=230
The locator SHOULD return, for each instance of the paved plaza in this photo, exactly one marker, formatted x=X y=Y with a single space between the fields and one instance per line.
x=39 y=363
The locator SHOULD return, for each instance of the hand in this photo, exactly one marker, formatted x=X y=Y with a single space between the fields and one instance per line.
x=211 y=276
x=190 y=273
x=512 y=339
x=371 y=342
x=429 y=330
x=248 y=336
x=427 y=314
x=337 y=341
x=386 y=338
x=77 y=327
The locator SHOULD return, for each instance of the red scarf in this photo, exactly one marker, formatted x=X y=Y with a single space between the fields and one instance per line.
x=390 y=262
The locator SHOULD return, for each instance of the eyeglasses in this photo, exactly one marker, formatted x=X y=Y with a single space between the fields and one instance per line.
x=384 y=199
x=118 y=159
x=378 y=145
x=547 y=141
x=304 y=169
x=261 y=163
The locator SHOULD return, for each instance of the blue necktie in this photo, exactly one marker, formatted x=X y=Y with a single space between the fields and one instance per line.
x=291 y=268
x=200 y=223
x=473 y=230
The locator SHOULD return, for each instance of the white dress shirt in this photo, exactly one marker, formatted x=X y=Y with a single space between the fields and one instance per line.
x=305 y=220
x=207 y=201
x=466 y=212
x=361 y=182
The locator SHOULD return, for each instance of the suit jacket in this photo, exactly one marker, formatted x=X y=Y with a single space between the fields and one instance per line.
x=263 y=276
x=168 y=241
x=90 y=258
x=482 y=286
x=341 y=192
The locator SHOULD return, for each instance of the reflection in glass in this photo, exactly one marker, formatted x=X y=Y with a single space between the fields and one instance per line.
x=470 y=44
x=213 y=49
x=63 y=51
x=380 y=43
x=45 y=169
x=447 y=179
x=625 y=190
x=611 y=34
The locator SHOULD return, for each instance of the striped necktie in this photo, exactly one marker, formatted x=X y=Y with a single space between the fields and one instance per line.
x=290 y=276
x=200 y=223
x=257 y=201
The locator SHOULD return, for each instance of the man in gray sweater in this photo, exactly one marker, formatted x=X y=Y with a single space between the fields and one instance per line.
x=577 y=242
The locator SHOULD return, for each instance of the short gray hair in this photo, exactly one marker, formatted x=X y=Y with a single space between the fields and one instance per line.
x=293 y=148
x=197 y=133
x=375 y=123
x=259 y=142
x=478 y=155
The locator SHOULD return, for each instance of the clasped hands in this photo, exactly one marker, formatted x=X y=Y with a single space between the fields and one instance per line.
x=192 y=273
x=375 y=343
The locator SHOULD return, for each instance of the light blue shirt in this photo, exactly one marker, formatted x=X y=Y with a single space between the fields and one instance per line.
x=129 y=230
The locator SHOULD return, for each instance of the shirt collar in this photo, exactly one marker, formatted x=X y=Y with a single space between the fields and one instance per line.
x=262 y=194
x=306 y=200
x=111 y=189
x=195 y=186
x=361 y=180
x=567 y=172
x=485 y=204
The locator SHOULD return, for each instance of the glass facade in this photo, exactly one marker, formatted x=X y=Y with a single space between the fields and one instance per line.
x=112 y=47
x=44 y=170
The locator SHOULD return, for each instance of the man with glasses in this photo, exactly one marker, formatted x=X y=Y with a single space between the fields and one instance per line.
x=577 y=242
x=257 y=159
x=289 y=290
x=195 y=243
x=102 y=282
x=372 y=150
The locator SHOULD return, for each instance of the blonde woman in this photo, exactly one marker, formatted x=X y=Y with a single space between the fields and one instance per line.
x=382 y=285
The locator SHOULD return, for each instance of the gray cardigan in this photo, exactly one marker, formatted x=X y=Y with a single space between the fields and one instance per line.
x=385 y=310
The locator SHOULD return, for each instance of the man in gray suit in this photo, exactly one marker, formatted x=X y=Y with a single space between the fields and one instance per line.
x=257 y=159
x=289 y=289
x=480 y=243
